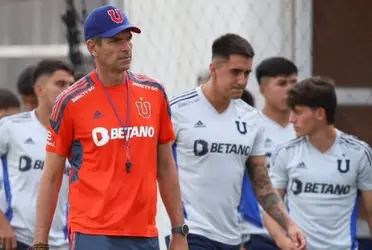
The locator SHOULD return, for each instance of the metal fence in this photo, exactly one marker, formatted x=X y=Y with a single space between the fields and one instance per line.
x=177 y=35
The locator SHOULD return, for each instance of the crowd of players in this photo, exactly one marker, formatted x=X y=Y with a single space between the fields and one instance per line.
x=222 y=144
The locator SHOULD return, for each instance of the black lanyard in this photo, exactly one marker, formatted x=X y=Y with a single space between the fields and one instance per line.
x=128 y=163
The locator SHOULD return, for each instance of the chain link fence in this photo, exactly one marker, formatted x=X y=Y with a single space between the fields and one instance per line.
x=177 y=35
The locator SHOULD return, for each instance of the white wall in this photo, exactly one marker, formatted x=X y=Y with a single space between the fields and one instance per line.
x=177 y=36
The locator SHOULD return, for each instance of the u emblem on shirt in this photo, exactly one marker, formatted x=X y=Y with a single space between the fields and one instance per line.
x=241 y=128
x=144 y=109
x=341 y=168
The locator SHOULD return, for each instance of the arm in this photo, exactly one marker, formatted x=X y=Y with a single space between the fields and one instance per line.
x=50 y=185
x=58 y=146
x=274 y=229
x=8 y=240
x=7 y=237
x=364 y=184
x=169 y=186
x=367 y=200
x=266 y=193
x=362 y=210
x=272 y=202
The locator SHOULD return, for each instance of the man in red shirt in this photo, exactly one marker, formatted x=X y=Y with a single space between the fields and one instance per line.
x=114 y=126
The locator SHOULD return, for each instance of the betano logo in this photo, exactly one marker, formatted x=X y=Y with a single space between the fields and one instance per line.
x=101 y=135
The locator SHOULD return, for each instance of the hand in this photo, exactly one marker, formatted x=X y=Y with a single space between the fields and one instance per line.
x=7 y=237
x=285 y=243
x=297 y=237
x=178 y=242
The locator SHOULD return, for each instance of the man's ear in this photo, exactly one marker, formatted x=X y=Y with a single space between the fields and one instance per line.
x=91 y=46
x=38 y=89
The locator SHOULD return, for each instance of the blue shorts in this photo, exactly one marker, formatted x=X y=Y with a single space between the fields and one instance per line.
x=364 y=244
x=100 y=242
x=20 y=246
x=198 y=242
x=260 y=242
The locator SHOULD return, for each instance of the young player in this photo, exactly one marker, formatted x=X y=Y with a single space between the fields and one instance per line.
x=216 y=134
x=275 y=76
x=22 y=150
x=9 y=103
x=246 y=97
x=25 y=87
x=321 y=170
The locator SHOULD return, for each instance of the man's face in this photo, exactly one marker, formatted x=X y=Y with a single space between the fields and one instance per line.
x=9 y=111
x=306 y=120
x=275 y=90
x=50 y=86
x=29 y=102
x=232 y=75
x=114 y=53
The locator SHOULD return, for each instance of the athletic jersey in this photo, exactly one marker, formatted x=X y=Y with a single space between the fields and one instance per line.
x=104 y=198
x=322 y=188
x=211 y=150
x=22 y=151
x=274 y=136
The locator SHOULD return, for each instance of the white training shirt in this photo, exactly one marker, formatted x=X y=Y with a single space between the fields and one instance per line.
x=322 y=188
x=212 y=149
x=22 y=151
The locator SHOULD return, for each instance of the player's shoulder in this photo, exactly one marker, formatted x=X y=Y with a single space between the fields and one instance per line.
x=74 y=93
x=245 y=107
x=351 y=140
x=248 y=113
x=289 y=147
x=355 y=145
x=20 y=118
x=184 y=100
x=145 y=82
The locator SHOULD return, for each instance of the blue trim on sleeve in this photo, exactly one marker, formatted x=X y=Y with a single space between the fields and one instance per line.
x=7 y=188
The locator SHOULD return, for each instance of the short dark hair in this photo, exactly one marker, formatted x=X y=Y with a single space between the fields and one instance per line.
x=275 y=66
x=248 y=98
x=8 y=99
x=49 y=66
x=315 y=92
x=231 y=44
x=25 y=85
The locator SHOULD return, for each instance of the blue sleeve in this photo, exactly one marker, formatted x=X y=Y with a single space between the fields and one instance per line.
x=174 y=151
